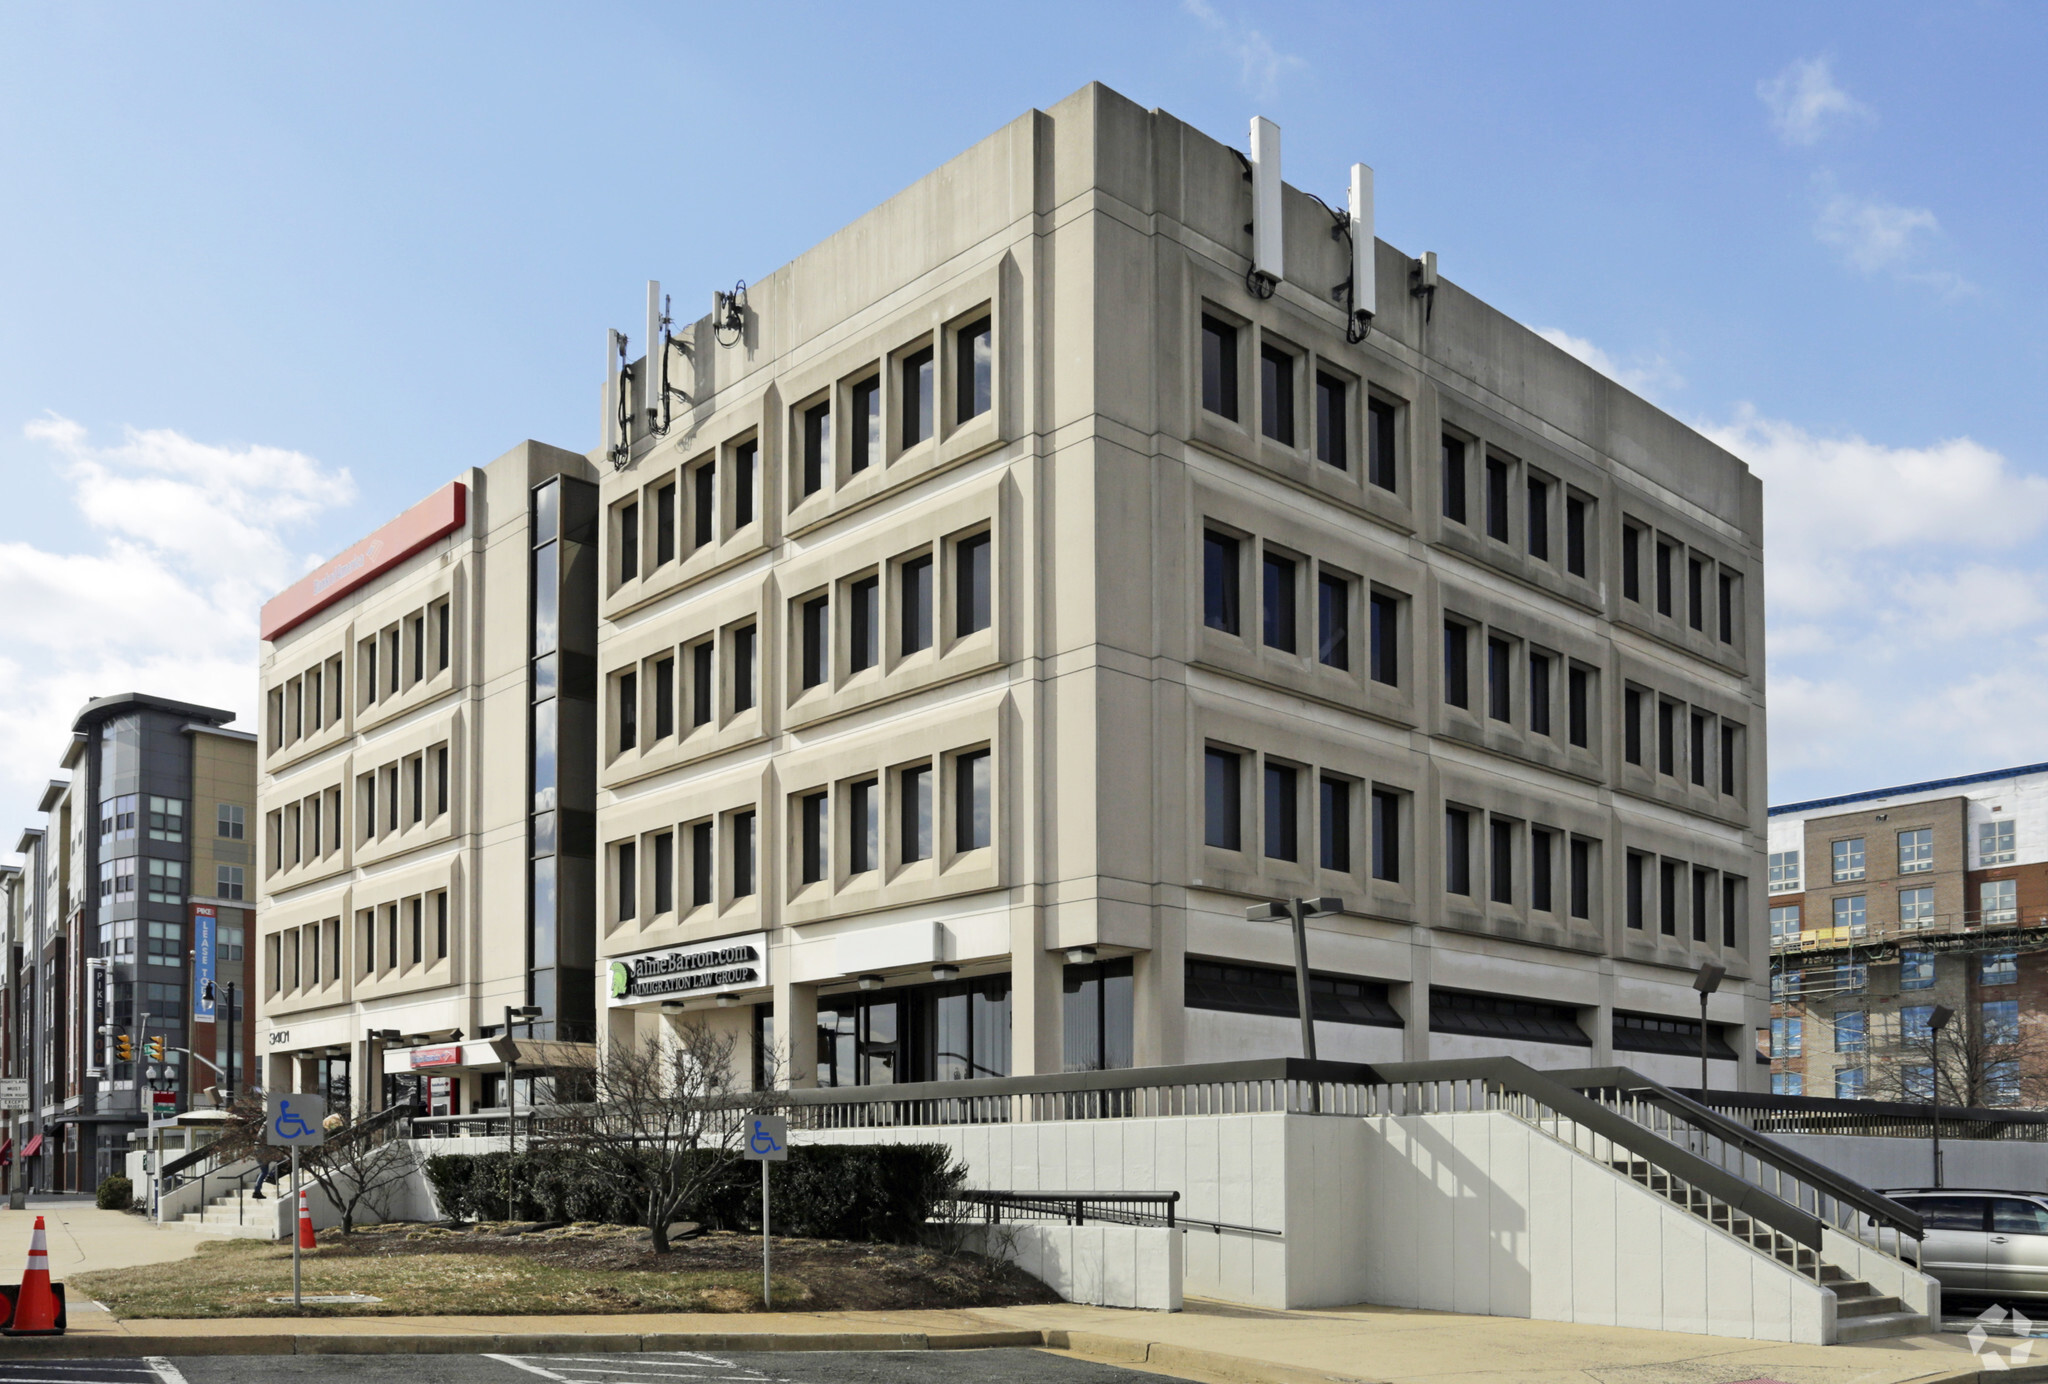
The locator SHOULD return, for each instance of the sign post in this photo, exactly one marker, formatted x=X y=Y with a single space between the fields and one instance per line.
x=294 y=1121
x=767 y=1142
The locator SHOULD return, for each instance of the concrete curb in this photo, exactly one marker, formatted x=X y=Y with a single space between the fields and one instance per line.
x=1188 y=1360
x=110 y=1346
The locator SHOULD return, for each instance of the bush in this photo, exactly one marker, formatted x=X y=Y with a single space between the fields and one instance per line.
x=825 y=1191
x=116 y=1194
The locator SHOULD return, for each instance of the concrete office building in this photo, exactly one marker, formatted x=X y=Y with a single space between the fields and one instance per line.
x=1887 y=903
x=1025 y=580
x=140 y=861
x=426 y=792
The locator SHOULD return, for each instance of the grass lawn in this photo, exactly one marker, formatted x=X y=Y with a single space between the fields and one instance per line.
x=488 y=1271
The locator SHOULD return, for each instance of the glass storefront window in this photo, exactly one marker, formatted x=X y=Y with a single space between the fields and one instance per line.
x=1098 y=1017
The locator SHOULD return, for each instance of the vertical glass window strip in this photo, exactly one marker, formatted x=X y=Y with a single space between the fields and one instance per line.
x=702 y=847
x=1333 y=620
x=1667 y=898
x=1499 y=655
x=1695 y=593
x=815 y=619
x=1667 y=738
x=744 y=641
x=665 y=524
x=916 y=807
x=864 y=625
x=1456 y=689
x=743 y=854
x=1730 y=757
x=745 y=462
x=971 y=585
x=1332 y=446
x=864 y=447
x=1701 y=724
x=1632 y=726
x=629 y=542
x=1222 y=801
x=440 y=930
x=704 y=504
x=972 y=825
x=1497 y=499
x=1219 y=582
x=629 y=711
x=1386 y=835
x=629 y=886
x=1501 y=866
x=1276 y=395
x=1282 y=813
x=1539 y=519
x=1582 y=878
x=1539 y=694
x=1575 y=536
x=917 y=397
x=1636 y=903
x=1380 y=470
x=863 y=826
x=1727 y=608
x=1631 y=562
x=1663 y=578
x=974 y=374
x=1334 y=817
x=665 y=873
x=1219 y=368
x=817 y=447
x=664 y=698
x=814 y=813
x=1731 y=910
x=917 y=604
x=1540 y=864
x=1279 y=602
x=1454 y=480
x=1386 y=663
x=1701 y=890
x=1457 y=851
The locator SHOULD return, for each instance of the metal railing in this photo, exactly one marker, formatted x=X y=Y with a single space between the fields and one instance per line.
x=1079 y=1208
x=1975 y=922
x=1881 y=1118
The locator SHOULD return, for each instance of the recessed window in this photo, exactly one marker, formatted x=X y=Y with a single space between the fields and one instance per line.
x=665 y=524
x=1582 y=878
x=814 y=846
x=1997 y=900
x=1636 y=904
x=629 y=710
x=1386 y=835
x=817 y=446
x=914 y=786
x=971 y=584
x=972 y=817
x=1497 y=499
x=1276 y=394
x=1784 y=872
x=1457 y=689
x=1995 y=842
x=1916 y=909
x=743 y=852
x=1667 y=738
x=815 y=621
x=1457 y=851
x=1579 y=707
x=1219 y=582
x=703 y=701
x=1731 y=756
x=1695 y=593
x=1539 y=694
x=1453 y=480
x=864 y=624
x=1333 y=621
x=1222 y=801
x=705 y=504
x=1994 y=968
x=1501 y=862
x=1667 y=897
x=232 y=822
x=702 y=850
x=166 y=818
x=1498 y=655
x=1727 y=607
x=745 y=461
x=864 y=826
x=917 y=603
x=1702 y=889
x=1379 y=466
x=1631 y=562
x=629 y=542
x=1282 y=813
x=1848 y=859
x=1334 y=818
x=1539 y=519
x=665 y=873
x=1278 y=593
x=974 y=371
x=1386 y=658
x=1575 y=536
x=1332 y=444
x=917 y=397
x=1664 y=559
x=865 y=446
x=1701 y=727
x=629 y=888
x=1219 y=367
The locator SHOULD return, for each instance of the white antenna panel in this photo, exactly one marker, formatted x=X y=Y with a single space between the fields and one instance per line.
x=613 y=344
x=1267 y=252
x=650 y=388
x=1364 y=281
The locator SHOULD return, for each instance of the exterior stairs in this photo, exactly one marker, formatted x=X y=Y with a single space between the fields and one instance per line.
x=238 y=1216
x=1861 y=1312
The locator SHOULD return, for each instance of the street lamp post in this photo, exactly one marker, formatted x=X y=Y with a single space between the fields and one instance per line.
x=1298 y=912
x=1936 y=1022
x=1706 y=982
x=528 y=1012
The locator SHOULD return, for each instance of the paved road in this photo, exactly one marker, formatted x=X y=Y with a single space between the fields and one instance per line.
x=795 y=1367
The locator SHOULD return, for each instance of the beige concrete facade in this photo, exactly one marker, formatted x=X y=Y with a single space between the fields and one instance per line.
x=394 y=803
x=1607 y=566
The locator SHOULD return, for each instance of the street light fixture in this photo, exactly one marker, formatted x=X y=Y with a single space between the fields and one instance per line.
x=528 y=1012
x=1936 y=1022
x=1706 y=982
x=1298 y=912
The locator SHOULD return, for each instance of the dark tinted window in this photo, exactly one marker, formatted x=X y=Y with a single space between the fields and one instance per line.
x=1950 y=1213
x=2011 y=1216
x=1219 y=368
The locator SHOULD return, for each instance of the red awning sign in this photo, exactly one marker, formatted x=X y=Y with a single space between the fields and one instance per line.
x=437 y=1057
x=30 y=1149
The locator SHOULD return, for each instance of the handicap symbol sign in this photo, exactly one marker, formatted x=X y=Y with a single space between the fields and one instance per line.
x=767 y=1138
x=295 y=1119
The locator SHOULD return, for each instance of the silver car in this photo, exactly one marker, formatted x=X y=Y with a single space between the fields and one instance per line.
x=1983 y=1241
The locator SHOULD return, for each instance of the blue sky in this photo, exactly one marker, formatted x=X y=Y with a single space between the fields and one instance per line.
x=268 y=274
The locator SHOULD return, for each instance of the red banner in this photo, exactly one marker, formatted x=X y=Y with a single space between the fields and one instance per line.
x=439 y=514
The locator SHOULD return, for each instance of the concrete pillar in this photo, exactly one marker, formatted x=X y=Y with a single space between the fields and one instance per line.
x=796 y=1032
x=1411 y=1002
x=1035 y=1004
x=1159 y=995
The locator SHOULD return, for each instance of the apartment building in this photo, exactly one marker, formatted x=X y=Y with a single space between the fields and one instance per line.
x=425 y=804
x=124 y=925
x=998 y=600
x=1886 y=904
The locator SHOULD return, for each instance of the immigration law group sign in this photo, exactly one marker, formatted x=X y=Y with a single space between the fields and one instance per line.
x=437 y=516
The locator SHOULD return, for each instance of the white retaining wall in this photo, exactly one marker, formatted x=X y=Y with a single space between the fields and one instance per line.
x=1881 y=1161
x=1100 y=1265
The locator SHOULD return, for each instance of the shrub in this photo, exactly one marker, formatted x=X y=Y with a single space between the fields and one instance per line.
x=825 y=1191
x=116 y=1194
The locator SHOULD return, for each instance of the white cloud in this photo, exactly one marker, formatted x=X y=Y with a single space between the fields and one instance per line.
x=1874 y=235
x=1806 y=102
x=1263 y=65
x=1649 y=375
x=191 y=538
x=1907 y=589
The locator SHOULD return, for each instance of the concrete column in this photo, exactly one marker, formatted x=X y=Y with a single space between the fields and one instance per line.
x=796 y=1032
x=1159 y=996
x=1035 y=1014
x=1412 y=1003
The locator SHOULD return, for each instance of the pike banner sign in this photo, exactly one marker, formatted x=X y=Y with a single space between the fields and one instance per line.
x=730 y=963
x=204 y=952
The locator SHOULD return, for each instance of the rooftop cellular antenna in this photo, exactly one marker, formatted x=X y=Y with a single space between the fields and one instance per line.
x=1268 y=258
x=1364 y=275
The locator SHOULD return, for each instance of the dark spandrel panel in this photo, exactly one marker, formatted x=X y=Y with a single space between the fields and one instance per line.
x=579 y=511
x=1652 y=1033
x=546 y=512
x=1239 y=989
x=1495 y=1016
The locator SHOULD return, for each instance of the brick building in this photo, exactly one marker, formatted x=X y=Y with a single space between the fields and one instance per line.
x=1886 y=904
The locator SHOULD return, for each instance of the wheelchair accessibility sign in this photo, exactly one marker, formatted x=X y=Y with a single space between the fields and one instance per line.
x=295 y=1120
x=767 y=1138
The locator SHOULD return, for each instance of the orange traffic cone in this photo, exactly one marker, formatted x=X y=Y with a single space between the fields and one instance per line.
x=37 y=1310
x=306 y=1240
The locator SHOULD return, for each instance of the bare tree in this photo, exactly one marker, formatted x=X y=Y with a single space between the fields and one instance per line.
x=362 y=1165
x=666 y=1123
x=1976 y=1062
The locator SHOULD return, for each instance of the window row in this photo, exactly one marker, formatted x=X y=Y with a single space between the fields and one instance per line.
x=406 y=652
x=1705 y=579
x=1519 y=505
x=1304 y=401
x=401 y=934
x=1524 y=683
x=1997 y=903
x=1691 y=743
x=906 y=387
x=1348 y=823
x=682 y=511
x=1674 y=892
x=1515 y=861
x=165 y=818
x=163 y=880
x=1293 y=585
x=411 y=791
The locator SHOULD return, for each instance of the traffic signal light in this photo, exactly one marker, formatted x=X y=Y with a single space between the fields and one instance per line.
x=154 y=1050
x=124 y=1051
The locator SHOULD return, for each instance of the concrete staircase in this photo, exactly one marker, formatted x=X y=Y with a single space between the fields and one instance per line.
x=241 y=1216
x=1861 y=1312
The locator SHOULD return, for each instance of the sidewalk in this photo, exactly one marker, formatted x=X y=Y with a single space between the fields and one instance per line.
x=83 y=1238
